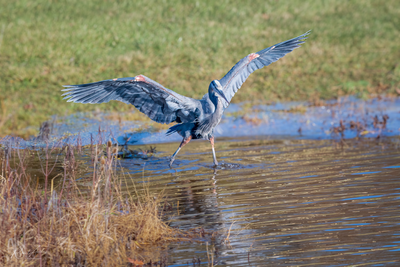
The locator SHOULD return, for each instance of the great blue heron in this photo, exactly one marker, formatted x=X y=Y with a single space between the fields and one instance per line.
x=196 y=118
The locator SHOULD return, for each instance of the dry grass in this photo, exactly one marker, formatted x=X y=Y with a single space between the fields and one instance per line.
x=53 y=221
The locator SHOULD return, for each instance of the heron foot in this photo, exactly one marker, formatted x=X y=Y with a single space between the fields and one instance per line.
x=171 y=161
x=215 y=163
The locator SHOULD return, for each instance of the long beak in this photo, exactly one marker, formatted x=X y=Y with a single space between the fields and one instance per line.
x=222 y=94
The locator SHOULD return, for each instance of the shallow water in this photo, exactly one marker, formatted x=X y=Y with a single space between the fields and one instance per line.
x=292 y=191
x=297 y=119
x=288 y=202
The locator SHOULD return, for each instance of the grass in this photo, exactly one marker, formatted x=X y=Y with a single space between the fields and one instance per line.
x=49 y=219
x=353 y=49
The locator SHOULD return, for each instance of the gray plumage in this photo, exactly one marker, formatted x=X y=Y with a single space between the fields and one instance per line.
x=196 y=118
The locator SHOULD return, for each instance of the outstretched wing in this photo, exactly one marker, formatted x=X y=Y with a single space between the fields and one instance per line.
x=157 y=102
x=234 y=79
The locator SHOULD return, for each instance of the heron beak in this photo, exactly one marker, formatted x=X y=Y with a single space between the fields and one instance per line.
x=222 y=95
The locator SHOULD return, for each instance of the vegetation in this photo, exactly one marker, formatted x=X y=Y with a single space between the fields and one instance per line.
x=353 y=49
x=51 y=219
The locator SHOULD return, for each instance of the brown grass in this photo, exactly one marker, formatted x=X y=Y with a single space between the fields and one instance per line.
x=53 y=221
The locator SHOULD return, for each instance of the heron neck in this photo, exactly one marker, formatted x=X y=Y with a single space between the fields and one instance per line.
x=219 y=108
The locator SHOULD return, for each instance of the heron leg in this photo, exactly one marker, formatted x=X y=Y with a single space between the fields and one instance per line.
x=213 y=150
x=183 y=143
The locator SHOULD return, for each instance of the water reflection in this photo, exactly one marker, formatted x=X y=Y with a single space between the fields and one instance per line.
x=287 y=202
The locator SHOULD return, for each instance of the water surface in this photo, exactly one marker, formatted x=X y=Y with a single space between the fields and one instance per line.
x=291 y=186
x=288 y=202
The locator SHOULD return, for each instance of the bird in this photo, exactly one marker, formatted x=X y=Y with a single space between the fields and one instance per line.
x=195 y=118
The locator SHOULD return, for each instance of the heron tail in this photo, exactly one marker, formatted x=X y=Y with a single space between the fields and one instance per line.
x=173 y=129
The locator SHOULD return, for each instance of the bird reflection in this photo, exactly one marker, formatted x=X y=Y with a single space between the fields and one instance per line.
x=197 y=201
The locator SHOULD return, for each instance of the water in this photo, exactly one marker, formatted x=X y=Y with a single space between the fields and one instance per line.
x=297 y=119
x=288 y=202
x=291 y=188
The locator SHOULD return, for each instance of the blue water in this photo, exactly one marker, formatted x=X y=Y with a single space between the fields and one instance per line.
x=271 y=120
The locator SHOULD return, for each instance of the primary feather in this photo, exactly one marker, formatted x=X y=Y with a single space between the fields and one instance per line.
x=157 y=102
x=234 y=79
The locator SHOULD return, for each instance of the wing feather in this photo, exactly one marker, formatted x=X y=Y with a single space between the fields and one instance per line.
x=234 y=79
x=151 y=98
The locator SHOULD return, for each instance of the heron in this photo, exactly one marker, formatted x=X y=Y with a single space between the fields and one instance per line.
x=195 y=118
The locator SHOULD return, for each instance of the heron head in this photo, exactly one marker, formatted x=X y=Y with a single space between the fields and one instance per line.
x=216 y=89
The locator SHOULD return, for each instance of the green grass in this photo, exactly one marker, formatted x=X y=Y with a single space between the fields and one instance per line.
x=353 y=49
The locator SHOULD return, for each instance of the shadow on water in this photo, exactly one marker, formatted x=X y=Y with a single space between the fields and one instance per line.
x=284 y=200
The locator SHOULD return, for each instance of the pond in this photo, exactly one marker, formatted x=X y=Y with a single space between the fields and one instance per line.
x=286 y=202
x=297 y=184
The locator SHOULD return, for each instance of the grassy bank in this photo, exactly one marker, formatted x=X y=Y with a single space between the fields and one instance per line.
x=353 y=49
x=49 y=217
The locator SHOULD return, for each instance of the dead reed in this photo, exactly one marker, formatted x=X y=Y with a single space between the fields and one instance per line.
x=53 y=221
